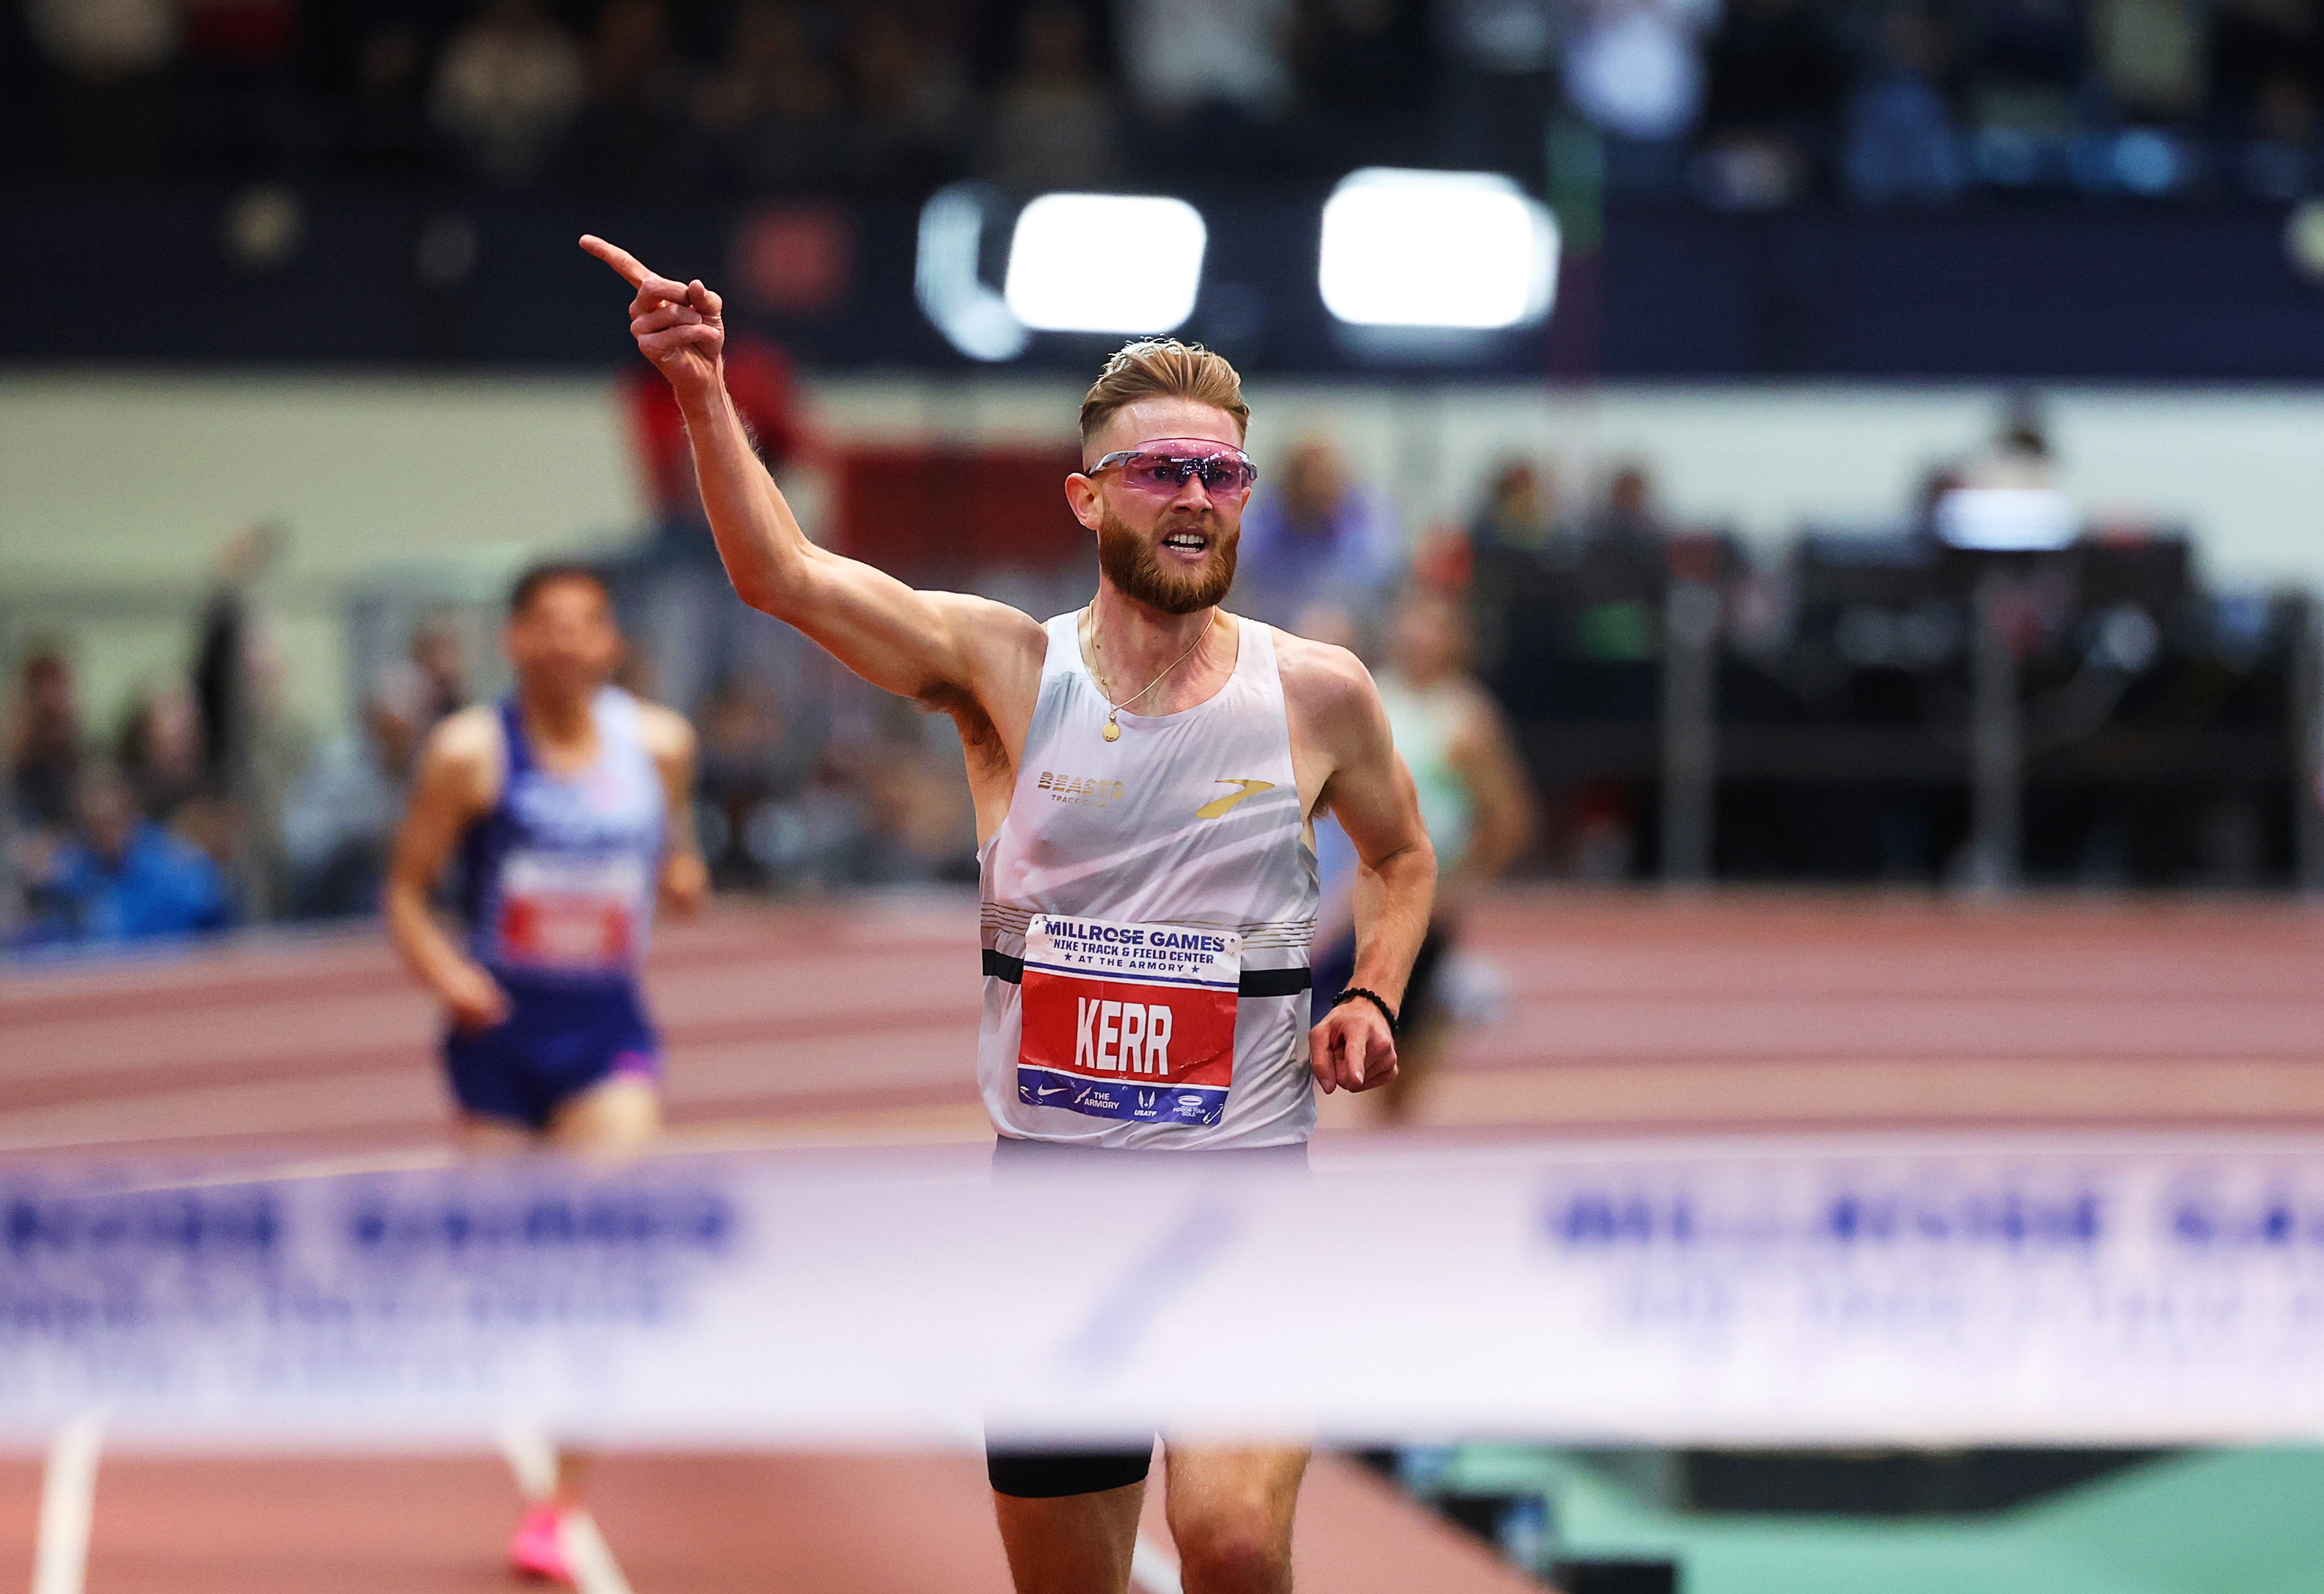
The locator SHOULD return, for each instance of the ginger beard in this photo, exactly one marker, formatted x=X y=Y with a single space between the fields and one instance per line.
x=1131 y=562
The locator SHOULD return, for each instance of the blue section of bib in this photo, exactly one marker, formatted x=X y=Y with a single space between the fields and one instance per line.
x=1131 y=1103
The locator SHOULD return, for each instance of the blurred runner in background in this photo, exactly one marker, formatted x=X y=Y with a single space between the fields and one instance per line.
x=569 y=804
x=1476 y=800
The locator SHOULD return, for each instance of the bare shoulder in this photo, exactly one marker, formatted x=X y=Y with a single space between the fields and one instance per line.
x=1000 y=639
x=468 y=739
x=461 y=761
x=1321 y=681
x=669 y=735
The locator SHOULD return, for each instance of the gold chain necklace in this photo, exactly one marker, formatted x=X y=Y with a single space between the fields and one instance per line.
x=1112 y=731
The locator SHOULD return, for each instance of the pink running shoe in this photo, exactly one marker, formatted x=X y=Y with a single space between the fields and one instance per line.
x=538 y=1551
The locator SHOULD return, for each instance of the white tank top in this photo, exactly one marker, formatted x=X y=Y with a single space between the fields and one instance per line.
x=1163 y=894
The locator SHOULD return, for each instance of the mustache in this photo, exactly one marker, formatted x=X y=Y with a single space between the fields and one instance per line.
x=1178 y=520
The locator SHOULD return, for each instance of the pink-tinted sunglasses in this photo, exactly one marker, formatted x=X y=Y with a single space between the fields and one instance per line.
x=1164 y=465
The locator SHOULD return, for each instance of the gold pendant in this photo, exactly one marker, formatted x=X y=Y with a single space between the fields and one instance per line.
x=1112 y=731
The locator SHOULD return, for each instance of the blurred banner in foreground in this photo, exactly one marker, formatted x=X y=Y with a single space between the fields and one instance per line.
x=1906 y=1292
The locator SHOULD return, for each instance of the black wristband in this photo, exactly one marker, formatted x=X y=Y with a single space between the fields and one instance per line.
x=1355 y=991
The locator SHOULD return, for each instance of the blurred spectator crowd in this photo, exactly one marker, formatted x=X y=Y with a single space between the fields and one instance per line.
x=2160 y=721
x=202 y=802
x=1738 y=104
x=119 y=842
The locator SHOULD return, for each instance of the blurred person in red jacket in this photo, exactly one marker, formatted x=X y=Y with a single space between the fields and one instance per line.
x=690 y=632
x=759 y=375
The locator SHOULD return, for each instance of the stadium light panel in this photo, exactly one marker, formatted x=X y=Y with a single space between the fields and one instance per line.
x=944 y=279
x=1105 y=263
x=1465 y=250
x=2007 y=520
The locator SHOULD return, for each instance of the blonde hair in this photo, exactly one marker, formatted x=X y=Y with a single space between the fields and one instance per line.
x=1164 y=367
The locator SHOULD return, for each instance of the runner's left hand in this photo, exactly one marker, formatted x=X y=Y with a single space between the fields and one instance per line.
x=1352 y=1050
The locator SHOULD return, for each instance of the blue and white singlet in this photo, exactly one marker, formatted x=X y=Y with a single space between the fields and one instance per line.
x=558 y=890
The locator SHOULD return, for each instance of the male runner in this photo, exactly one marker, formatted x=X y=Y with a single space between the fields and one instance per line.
x=1144 y=774
x=1475 y=798
x=569 y=802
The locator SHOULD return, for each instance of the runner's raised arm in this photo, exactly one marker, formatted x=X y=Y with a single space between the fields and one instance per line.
x=939 y=647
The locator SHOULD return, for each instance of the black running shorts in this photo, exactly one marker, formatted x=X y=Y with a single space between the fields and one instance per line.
x=1049 y=1475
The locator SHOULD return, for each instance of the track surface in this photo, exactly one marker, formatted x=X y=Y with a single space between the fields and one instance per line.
x=1622 y=1014
x=1629 y=1015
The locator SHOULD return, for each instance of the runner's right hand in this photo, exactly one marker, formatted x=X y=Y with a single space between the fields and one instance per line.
x=474 y=998
x=680 y=327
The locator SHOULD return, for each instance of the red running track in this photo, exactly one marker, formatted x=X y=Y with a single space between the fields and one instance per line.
x=1622 y=1014
x=714 y=1523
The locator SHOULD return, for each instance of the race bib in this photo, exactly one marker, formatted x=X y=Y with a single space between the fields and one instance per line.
x=573 y=914
x=1128 y=1021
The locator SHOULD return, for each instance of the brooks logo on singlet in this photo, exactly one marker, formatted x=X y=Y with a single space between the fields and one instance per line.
x=1220 y=807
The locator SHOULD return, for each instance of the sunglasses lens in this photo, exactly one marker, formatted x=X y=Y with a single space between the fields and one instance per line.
x=1225 y=474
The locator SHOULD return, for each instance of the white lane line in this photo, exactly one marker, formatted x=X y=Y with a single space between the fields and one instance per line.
x=1153 y=1568
x=67 y=1502
x=594 y=1569
x=533 y=1458
x=963 y=1124
x=415 y=1160
x=529 y=1456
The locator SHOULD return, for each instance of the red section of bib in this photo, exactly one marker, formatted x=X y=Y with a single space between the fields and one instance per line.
x=564 y=931
x=1123 y=1032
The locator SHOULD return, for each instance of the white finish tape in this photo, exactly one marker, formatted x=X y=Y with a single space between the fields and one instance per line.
x=1929 y=1292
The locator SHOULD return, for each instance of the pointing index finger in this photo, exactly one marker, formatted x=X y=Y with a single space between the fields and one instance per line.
x=619 y=258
